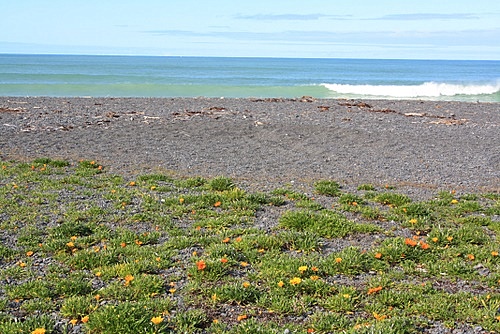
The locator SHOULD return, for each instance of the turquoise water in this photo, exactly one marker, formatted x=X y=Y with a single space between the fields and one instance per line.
x=138 y=76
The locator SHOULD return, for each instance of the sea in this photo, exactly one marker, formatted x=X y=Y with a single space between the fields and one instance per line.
x=158 y=76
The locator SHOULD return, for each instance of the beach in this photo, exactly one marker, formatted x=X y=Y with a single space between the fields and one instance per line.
x=294 y=192
x=423 y=145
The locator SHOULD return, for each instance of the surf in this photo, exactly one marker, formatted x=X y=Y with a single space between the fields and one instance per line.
x=424 y=90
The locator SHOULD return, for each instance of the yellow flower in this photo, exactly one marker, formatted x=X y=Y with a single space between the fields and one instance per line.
x=435 y=239
x=314 y=278
x=73 y=238
x=413 y=221
x=246 y=284
x=280 y=284
x=172 y=290
x=156 y=320
x=73 y=321
x=244 y=264
x=379 y=316
x=302 y=269
x=70 y=244
x=454 y=201
x=39 y=331
x=338 y=259
x=295 y=281
x=181 y=200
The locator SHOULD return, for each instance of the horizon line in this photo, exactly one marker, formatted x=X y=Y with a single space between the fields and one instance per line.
x=198 y=56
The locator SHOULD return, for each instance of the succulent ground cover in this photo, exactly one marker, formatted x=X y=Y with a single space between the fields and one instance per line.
x=86 y=251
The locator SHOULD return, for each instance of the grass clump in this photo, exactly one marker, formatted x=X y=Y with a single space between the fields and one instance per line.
x=326 y=187
x=164 y=254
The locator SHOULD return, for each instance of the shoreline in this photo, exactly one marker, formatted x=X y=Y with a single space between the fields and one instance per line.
x=426 y=145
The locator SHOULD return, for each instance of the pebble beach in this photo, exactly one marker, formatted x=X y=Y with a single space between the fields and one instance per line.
x=422 y=145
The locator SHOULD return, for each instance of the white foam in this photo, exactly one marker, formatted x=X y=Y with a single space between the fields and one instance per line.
x=427 y=89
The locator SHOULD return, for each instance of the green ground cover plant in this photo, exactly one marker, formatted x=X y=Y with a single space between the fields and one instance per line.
x=89 y=251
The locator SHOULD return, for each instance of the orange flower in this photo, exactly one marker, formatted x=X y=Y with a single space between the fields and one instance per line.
x=310 y=330
x=217 y=204
x=181 y=200
x=132 y=184
x=494 y=253
x=226 y=240
x=85 y=319
x=70 y=244
x=423 y=245
x=338 y=259
x=281 y=284
x=314 y=278
x=242 y=317
x=410 y=242
x=138 y=242
x=223 y=260
x=378 y=255
x=435 y=239
x=315 y=269
x=201 y=265
x=471 y=257
x=246 y=284
x=374 y=290
x=29 y=253
x=238 y=239
x=244 y=264
x=128 y=279
x=450 y=238
x=73 y=321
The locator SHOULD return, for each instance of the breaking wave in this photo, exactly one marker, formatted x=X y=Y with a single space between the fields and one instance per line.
x=427 y=89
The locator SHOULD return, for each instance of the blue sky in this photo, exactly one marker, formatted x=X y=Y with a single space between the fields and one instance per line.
x=436 y=29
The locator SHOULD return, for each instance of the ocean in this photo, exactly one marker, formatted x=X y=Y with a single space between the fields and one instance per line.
x=145 y=76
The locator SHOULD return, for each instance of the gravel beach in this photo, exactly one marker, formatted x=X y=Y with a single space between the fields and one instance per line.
x=420 y=145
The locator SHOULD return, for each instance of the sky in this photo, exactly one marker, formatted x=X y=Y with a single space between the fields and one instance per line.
x=388 y=29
